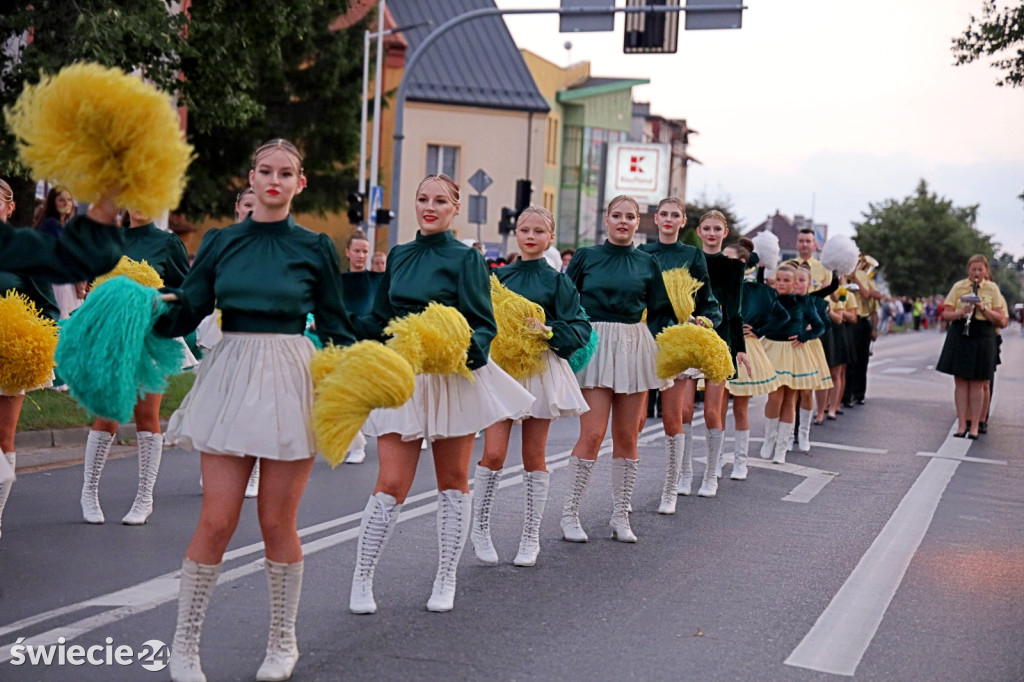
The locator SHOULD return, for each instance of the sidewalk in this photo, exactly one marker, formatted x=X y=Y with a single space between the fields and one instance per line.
x=65 y=447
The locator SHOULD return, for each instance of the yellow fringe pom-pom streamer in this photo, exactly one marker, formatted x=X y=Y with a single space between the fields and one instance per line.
x=682 y=287
x=517 y=348
x=350 y=382
x=435 y=341
x=685 y=346
x=27 y=344
x=94 y=129
x=138 y=271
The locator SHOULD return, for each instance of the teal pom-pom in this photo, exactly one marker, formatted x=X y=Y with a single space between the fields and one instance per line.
x=581 y=357
x=108 y=353
x=311 y=334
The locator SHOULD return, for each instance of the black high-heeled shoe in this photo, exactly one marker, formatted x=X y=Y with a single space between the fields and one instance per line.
x=962 y=434
x=972 y=436
x=982 y=427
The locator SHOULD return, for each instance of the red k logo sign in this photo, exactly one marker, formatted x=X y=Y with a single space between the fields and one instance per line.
x=634 y=164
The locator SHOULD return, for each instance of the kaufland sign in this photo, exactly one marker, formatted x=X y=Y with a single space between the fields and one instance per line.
x=638 y=170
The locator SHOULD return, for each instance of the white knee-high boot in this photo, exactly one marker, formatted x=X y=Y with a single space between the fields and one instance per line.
x=685 y=484
x=709 y=485
x=453 y=520
x=252 y=488
x=151 y=447
x=97 y=447
x=197 y=583
x=803 y=436
x=579 y=474
x=771 y=432
x=535 y=497
x=782 y=442
x=6 y=481
x=485 y=488
x=379 y=519
x=357 y=450
x=673 y=454
x=284 y=584
x=739 y=458
x=623 y=480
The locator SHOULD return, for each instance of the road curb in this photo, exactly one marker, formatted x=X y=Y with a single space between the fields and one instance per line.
x=62 y=446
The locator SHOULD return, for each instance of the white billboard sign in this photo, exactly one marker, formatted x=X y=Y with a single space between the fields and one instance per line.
x=638 y=170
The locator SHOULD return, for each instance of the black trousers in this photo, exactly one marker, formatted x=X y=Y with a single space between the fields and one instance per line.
x=857 y=371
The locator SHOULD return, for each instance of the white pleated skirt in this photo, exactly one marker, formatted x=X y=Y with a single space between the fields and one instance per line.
x=253 y=395
x=48 y=384
x=624 y=360
x=555 y=391
x=450 y=405
x=6 y=471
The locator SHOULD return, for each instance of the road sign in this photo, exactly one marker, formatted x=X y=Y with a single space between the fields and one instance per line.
x=638 y=170
x=478 y=209
x=597 y=21
x=480 y=181
x=730 y=16
x=376 y=202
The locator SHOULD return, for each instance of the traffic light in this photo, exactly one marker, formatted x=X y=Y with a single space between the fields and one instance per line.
x=355 y=208
x=384 y=216
x=524 y=188
x=508 y=220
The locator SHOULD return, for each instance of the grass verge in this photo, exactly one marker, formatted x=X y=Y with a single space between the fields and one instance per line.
x=48 y=409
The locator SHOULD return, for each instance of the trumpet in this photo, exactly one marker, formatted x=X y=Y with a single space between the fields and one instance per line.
x=973 y=299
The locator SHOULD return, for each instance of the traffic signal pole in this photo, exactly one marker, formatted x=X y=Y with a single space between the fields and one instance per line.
x=417 y=54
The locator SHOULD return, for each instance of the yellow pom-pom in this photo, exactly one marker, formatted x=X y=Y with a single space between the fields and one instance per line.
x=348 y=384
x=27 y=344
x=138 y=271
x=325 y=361
x=685 y=346
x=682 y=287
x=94 y=129
x=517 y=348
x=435 y=341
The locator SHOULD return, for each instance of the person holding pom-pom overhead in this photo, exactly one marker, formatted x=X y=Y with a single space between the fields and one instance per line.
x=253 y=394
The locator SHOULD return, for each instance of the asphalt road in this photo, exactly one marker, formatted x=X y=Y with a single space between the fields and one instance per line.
x=892 y=552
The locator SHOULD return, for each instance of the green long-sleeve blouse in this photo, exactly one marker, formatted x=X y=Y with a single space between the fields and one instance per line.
x=163 y=251
x=85 y=250
x=761 y=308
x=360 y=291
x=265 y=278
x=680 y=255
x=727 y=282
x=803 y=322
x=616 y=283
x=537 y=281
x=40 y=293
x=435 y=268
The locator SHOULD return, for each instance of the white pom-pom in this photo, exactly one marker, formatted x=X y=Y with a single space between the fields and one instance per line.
x=766 y=246
x=840 y=254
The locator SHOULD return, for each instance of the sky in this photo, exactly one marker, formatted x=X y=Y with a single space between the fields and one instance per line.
x=820 y=107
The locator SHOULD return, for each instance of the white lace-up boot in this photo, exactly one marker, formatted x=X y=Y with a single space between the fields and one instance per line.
x=357 y=450
x=5 y=486
x=485 y=488
x=252 y=488
x=623 y=480
x=197 y=583
x=453 y=520
x=709 y=485
x=535 y=494
x=97 y=447
x=579 y=473
x=803 y=436
x=739 y=458
x=673 y=447
x=379 y=519
x=284 y=583
x=151 y=447
x=685 y=484
x=771 y=432
x=782 y=442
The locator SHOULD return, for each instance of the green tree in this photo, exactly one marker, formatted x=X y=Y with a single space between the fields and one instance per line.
x=922 y=242
x=1006 y=273
x=997 y=32
x=244 y=75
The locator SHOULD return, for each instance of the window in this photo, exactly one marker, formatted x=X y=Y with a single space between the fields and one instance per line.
x=442 y=159
x=549 y=200
x=551 y=143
